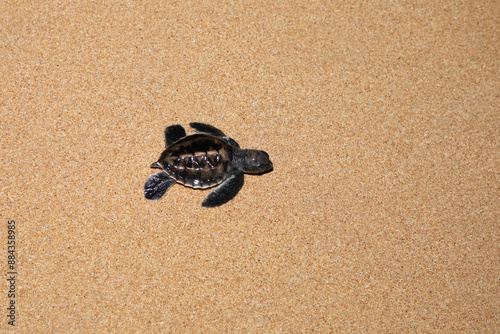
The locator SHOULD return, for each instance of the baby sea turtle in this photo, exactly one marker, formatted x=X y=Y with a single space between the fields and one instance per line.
x=203 y=160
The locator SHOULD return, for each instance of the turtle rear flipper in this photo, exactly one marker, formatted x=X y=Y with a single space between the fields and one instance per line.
x=173 y=133
x=226 y=191
x=157 y=185
x=206 y=129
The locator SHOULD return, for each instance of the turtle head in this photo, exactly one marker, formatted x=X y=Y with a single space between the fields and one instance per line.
x=256 y=162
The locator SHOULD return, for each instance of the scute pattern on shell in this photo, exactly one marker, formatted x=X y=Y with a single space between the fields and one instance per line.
x=197 y=162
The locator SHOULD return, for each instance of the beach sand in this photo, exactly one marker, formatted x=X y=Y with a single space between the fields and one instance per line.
x=381 y=214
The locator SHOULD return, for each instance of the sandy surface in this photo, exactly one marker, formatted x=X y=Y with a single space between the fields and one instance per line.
x=381 y=214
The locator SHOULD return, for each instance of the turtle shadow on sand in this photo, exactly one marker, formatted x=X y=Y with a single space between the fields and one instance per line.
x=206 y=159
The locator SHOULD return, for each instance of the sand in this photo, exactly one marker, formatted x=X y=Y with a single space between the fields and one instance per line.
x=381 y=214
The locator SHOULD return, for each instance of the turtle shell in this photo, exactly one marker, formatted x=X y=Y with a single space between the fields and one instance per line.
x=198 y=161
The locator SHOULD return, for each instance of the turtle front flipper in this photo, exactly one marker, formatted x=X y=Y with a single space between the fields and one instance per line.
x=206 y=129
x=226 y=191
x=157 y=185
x=173 y=133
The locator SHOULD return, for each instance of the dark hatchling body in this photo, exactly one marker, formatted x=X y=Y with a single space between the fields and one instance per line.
x=203 y=160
